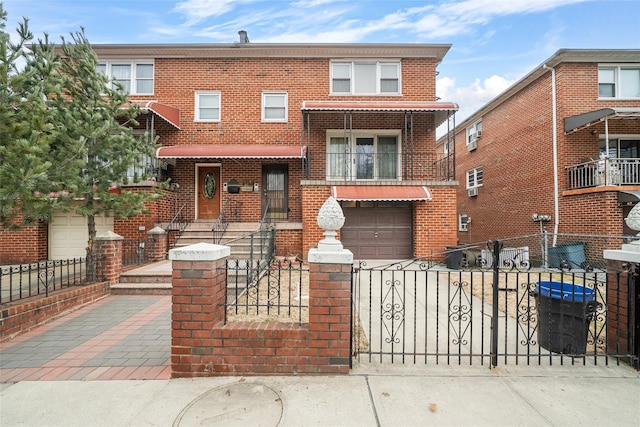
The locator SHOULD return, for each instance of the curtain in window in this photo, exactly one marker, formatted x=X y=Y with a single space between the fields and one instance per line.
x=122 y=74
x=387 y=157
x=338 y=158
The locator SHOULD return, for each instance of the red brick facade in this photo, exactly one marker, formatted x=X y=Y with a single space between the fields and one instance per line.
x=516 y=154
x=240 y=74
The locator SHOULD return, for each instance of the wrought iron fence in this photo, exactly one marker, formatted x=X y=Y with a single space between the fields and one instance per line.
x=279 y=291
x=135 y=252
x=40 y=278
x=417 y=312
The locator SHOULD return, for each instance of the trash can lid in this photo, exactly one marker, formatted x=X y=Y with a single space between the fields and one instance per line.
x=565 y=291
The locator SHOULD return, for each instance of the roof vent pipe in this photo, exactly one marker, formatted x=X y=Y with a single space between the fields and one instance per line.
x=244 y=38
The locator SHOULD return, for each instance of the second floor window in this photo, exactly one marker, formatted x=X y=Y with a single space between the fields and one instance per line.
x=366 y=78
x=619 y=81
x=373 y=157
x=207 y=108
x=474 y=132
x=474 y=178
x=135 y=77
x=274 y=106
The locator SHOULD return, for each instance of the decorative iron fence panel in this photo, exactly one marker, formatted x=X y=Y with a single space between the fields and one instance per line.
x=135 y=252
x=276 y=291
x=40 y=278
x=414 y=312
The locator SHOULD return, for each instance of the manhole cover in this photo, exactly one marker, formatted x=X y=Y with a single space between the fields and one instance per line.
x=235 y=404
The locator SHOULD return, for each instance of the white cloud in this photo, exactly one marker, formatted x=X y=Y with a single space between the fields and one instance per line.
x=199 y=10
x=472 y=97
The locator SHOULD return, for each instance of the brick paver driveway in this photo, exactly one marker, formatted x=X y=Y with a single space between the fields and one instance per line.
x=118 y=337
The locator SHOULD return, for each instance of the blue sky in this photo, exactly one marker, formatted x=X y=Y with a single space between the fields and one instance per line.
x=494 y=42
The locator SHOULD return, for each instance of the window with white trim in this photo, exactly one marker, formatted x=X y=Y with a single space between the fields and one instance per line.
x=365 y=77
x=463 y=221
x=474 y=132
x=474 y=178
x=619 y=81
x=274 y=106
x=369 y=155
x=207 y=108
x=134 y=77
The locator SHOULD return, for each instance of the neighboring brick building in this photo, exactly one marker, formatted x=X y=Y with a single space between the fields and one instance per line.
x=280 y=127
x=505 y=150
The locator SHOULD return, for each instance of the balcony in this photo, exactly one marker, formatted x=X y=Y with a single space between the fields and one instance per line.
x=603 y=172
x=353 y=166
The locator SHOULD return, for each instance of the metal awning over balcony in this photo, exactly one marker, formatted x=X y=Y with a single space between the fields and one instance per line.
x=231 y=152
x=581 y=121
x=441 y=110
x=166 y=112
x=381 y=192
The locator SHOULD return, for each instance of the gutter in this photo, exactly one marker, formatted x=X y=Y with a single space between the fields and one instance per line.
x=556 y=202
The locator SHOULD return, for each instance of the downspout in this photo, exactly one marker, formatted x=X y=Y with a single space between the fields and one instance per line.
x=556 y=202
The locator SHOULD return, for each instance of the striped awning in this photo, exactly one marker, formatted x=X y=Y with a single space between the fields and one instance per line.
x=381 y=192
x=231 y=152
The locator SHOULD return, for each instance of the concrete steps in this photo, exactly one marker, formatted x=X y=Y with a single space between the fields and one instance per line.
x=155 y=279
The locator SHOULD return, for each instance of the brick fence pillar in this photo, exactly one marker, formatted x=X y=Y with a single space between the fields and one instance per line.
x=199 y=282
x=157 y=242
x=621 y=297
x=107 y=249
x=330 y=269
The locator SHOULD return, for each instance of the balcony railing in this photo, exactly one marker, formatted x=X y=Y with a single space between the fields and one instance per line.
x=388 y=166
x=603 y=172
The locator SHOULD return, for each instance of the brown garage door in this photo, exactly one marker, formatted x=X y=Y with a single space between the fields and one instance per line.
x=378 y=232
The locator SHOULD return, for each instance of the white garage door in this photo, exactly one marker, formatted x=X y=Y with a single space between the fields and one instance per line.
x=68 y=235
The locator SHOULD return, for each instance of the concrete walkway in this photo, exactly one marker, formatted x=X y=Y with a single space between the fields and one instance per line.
x=56 y=375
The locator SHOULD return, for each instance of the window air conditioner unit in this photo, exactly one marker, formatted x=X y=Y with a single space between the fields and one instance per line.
x=472 y=145
x=478 y=134
x=473 y=192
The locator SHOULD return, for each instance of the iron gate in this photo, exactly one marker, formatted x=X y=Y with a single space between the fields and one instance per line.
x=490 y=313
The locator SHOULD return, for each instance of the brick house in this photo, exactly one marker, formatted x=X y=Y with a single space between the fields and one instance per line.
x=275 y=129
x=506 y=151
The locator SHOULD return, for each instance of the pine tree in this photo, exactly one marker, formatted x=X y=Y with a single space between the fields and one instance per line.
x=66 y=134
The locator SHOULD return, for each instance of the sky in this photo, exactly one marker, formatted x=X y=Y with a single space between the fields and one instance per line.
x=494 y=42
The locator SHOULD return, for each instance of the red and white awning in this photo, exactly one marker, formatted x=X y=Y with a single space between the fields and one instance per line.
x=170 y=114
x=231 y=152
x=381 y=192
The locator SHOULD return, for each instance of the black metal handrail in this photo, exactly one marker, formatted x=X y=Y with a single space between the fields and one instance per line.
x=177 y=223
x=220 y=225
x=39 y=278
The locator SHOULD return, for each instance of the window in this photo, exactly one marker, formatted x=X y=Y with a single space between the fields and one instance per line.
x=463 y=222
x=365 y=77
x=207 y=107
x=474 y=132
x=474 y=178
x=135 y=77
x=363 y=156
x=619 y=81
x=274 y=107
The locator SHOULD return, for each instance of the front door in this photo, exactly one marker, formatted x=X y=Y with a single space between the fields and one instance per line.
x=275 y=180
x=208 y=189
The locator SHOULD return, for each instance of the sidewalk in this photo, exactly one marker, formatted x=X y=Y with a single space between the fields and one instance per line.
x=444 y=397
x=56 y=375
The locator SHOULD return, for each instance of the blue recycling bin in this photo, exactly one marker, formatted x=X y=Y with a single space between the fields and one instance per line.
x=564 y=313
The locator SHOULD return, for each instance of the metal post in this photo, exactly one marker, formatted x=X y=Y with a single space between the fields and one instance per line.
x=545 y=249
x=497 y=247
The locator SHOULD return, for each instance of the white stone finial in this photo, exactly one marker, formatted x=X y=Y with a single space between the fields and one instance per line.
x=330 y=218
x=633 y=219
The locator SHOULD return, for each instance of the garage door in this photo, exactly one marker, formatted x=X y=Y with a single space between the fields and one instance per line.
x=378 y=232
x=68 y=235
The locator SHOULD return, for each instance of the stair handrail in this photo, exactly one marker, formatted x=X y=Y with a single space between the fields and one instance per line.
x=220 y=225
x=265 y=211
x=177 y=219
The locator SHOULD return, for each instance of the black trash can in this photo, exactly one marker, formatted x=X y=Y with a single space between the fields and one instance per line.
x=564 y=312
x=453 y=257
